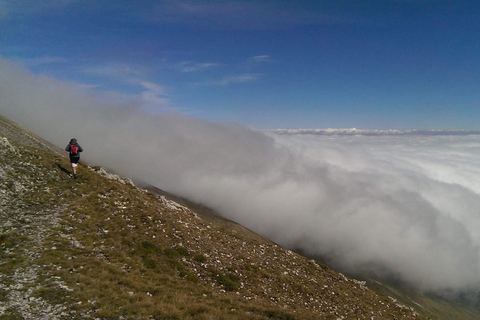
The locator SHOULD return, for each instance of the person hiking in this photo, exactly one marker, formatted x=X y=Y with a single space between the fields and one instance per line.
x=74 y=150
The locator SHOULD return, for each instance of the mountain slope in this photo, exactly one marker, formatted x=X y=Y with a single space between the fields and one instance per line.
x=99 y=247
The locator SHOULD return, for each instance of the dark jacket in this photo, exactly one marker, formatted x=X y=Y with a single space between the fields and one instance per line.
x=74 y=155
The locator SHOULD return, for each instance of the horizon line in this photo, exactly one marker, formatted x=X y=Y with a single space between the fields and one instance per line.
x=355 y=131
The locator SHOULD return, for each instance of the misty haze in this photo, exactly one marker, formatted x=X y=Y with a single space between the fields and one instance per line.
x=401 y=205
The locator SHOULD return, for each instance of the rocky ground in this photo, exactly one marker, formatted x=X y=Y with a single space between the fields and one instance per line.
x=24 y=226
x=47 y=244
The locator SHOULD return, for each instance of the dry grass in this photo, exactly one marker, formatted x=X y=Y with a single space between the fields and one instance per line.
x=109 y=250
x=112 y=268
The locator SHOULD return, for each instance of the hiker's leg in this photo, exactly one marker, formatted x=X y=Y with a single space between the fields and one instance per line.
x=74 y=167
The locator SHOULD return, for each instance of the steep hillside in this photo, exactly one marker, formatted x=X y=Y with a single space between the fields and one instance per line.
x=100 y=247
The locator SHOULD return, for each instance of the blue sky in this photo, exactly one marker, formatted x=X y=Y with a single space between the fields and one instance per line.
x=266 y=64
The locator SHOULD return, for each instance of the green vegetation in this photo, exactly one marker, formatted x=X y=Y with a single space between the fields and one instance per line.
x=229 y=281
x=200 y=258
x=12 y=315
x=102 y=254
x=434 y=306
x=104 y=250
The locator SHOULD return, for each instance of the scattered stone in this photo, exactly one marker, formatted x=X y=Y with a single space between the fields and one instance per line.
x=5 y=145
x=226 y=260
x=103 y=172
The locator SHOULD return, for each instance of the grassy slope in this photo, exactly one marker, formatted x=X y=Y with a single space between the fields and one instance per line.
x=429 y=304
x=110 y=250
x=105 y=251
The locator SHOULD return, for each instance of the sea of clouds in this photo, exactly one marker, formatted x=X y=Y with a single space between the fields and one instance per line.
x=402 y=205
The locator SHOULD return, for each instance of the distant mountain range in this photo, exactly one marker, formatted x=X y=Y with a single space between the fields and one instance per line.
x=371 y=132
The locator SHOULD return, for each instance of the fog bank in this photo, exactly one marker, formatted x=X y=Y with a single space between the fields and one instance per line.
x=401 y=205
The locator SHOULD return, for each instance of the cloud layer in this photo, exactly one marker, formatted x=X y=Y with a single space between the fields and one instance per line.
x=395 y=205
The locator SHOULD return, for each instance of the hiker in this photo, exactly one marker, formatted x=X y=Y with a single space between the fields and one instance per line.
x=74 y=150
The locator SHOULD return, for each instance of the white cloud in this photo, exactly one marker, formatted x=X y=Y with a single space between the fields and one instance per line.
x=189 y=66
x=44 y=60
x=153 y=88
x=119 y=71
x=152 y=96
x=229 y=80
x=261 y=58
x=402 y=205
